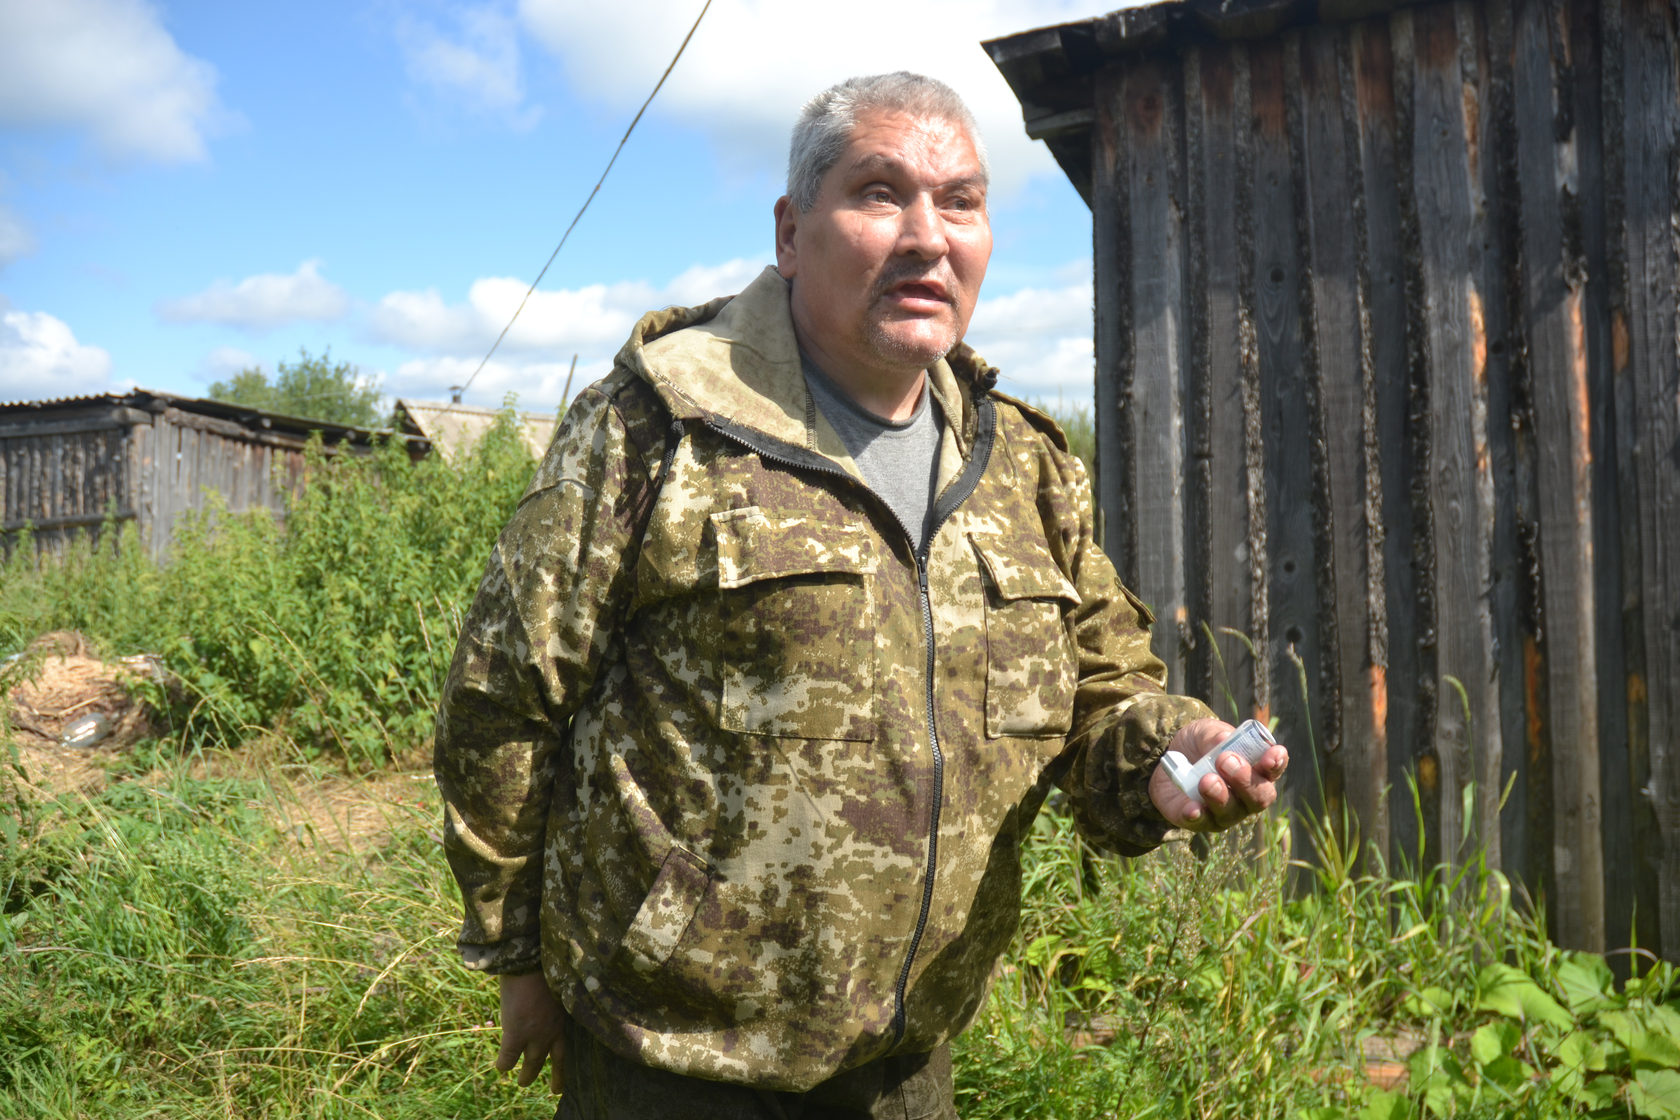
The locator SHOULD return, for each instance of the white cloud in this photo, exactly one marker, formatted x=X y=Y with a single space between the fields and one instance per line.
x=110 y=67
x=15 y=239
x=753 y=63
x=40 y=358
x=1040 y=338
x=590 y=320
x=480 y=69
x=263 y=301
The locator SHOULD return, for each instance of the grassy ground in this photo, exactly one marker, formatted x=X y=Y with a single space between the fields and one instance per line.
x=190 y=942
x=197 y=937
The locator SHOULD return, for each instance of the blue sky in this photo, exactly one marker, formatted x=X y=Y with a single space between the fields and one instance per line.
x=190 y=188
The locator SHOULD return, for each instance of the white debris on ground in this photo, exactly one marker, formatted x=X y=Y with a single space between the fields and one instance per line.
x=63 y=709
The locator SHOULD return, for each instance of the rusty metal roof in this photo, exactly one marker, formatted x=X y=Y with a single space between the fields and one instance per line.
x=453 y=428
x=147 y=400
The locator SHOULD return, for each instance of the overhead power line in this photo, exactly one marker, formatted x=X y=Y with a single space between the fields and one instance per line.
x=597 y=190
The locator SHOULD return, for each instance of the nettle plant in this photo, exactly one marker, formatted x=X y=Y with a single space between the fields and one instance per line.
x=1578 y=1038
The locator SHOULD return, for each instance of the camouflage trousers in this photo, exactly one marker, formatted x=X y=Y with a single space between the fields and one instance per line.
x=600 y=1085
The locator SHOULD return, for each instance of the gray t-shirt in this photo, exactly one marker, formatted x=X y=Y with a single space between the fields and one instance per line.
x=900 y=461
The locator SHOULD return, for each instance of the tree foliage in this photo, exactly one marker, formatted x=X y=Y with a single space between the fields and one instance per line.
x=314 y=387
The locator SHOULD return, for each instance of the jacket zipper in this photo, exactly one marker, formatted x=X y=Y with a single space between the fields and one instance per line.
x=944 y=506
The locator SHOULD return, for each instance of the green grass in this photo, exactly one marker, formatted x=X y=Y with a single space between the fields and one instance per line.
x=165 y=950
x=168 y=949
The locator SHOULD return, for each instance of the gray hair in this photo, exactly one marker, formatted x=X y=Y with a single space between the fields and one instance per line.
x=826 y=123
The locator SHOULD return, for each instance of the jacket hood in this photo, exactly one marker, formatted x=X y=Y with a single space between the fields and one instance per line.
x=736 y=358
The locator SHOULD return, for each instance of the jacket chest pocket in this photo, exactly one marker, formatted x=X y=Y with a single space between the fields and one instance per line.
x=796 y=639
x=1032 y=670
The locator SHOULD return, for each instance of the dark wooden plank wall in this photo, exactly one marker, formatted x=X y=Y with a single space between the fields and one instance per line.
x=1388 y=385
x=63 y=476
x=63 y=481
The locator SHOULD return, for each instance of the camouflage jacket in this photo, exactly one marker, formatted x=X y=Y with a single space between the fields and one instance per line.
x=747 y=775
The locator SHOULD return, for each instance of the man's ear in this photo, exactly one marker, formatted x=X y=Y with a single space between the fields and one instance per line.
x=787 y=223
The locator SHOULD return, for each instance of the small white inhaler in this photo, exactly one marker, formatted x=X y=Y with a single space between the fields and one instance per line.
x=1250 y=741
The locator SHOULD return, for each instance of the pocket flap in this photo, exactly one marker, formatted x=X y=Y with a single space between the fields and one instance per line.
x=753 y=545
x=1025 y=571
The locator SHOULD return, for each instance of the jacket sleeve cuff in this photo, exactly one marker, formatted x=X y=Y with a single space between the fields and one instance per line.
x=1114 y=808
x=510 y=957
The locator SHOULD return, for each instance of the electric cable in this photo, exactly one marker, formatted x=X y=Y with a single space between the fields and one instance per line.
x=626 y=139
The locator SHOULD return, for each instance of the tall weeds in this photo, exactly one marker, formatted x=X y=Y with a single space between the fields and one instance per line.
x=334 y=629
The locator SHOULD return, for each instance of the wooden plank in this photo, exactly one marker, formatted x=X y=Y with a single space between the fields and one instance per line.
x=1623 y=694
x=1151 y=119
x=1216 y=93
x=1419 y=838
x=67 y=521
x=1318 y=675
x=1111 y=277
x=1647 y=403
x=1355 y=748
x=1525 y=824
x=103 y=420
x=1460 y=494
x=1200 y=500
x=142 y=442
x=1621 y=886
x=1553 y=282
x=166 y=442
x=1278 y=279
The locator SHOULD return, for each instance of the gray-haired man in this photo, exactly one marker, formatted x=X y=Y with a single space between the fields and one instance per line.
x=796 y=627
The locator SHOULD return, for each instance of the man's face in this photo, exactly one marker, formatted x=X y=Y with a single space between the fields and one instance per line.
x=886 y=265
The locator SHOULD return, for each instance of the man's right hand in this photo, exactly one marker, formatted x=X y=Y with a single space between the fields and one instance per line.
x=533 y=1025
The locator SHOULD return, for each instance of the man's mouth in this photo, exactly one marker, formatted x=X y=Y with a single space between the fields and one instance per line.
x=920 y=291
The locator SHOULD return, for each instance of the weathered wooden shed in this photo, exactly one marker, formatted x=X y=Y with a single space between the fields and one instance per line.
x=66 y=465
x=1388 y=387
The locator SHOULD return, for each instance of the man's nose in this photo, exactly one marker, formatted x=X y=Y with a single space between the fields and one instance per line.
x=922 y=229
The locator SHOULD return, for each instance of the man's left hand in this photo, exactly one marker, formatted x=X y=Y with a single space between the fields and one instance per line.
x=1234 y=791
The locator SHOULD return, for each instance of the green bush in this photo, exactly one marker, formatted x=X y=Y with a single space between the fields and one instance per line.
x=335 y=629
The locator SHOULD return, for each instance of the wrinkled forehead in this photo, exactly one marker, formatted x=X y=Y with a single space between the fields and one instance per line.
x=895 y=141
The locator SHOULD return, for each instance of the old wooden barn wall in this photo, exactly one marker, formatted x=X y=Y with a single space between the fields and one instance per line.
x=1388 y=370
x=61 y=471
x=64 y=473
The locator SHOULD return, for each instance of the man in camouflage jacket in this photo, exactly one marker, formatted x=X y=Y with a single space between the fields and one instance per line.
x=742 y=767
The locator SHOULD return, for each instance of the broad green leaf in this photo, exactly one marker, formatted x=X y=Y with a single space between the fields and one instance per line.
x=1380 y=1104
x=1580 y=1051
x=1437 y=1073
x=1431 y=1003
x=1587 y=982
x=1494 y=1041
x=1322 y=1112
x=1508 y=1072
x=1655 y=1094
x=1510 y=992
x=1600 y=1092
x=1665 y=1021
x=1646 y=1037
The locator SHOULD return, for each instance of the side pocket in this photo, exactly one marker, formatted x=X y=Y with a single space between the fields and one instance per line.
x=665 y=914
